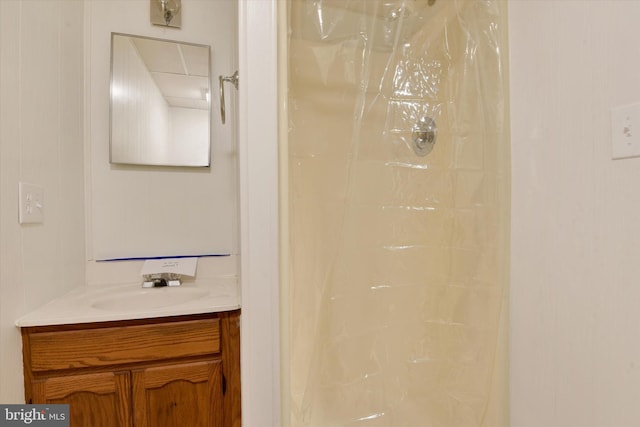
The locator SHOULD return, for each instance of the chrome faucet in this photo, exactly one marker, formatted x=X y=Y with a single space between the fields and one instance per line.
x=160 y=280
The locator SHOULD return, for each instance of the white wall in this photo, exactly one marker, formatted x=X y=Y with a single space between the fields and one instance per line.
x=575 y=283
x=42 y=107
x=41 y=110
x=151 y=211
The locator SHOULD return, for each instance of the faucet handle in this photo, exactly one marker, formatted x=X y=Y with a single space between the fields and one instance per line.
x=174 y=282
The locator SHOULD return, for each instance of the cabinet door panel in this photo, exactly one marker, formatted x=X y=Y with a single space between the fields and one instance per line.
x=95 y=400
x=188 y=394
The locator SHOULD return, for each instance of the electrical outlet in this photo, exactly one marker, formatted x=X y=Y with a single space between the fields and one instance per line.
x=625 y=131
x=31 y=199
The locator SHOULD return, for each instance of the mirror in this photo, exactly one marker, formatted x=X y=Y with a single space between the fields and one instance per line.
x=160 y=102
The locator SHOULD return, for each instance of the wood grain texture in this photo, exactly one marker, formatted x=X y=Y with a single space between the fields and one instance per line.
x=95 y=400
x=178 y=395
x=132 y=373
x=230 y=331
x=123 y=344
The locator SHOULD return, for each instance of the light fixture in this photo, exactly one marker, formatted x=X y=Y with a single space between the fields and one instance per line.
x=166 y=13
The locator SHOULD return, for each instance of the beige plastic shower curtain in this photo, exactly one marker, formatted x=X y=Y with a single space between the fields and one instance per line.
x=397 y=278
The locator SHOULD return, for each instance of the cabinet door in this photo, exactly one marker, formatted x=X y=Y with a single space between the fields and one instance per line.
x=178 y=395
x=95 y=400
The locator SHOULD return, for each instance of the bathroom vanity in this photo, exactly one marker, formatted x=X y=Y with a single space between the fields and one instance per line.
x=155 y=369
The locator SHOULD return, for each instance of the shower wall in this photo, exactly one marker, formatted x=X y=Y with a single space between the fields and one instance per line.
x=397 y=278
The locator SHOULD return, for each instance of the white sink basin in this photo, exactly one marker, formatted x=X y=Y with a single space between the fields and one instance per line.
x=150 y=298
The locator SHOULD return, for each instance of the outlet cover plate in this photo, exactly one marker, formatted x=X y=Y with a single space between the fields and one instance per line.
x=31 y=199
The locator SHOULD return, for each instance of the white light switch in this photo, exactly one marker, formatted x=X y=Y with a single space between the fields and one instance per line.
x=31 y=198
x=625 y=131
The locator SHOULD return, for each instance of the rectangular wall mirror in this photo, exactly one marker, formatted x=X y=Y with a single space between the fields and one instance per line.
x=160 y=102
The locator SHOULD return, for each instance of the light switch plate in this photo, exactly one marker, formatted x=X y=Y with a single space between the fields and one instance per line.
x=31 y=199
x=625 y=131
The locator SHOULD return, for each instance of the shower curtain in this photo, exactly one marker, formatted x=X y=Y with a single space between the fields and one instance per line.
x=398 y=261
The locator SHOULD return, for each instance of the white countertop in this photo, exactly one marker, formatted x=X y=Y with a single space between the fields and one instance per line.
x=130 y=301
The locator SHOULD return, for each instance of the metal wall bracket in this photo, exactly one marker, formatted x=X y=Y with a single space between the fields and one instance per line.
x=233 y=79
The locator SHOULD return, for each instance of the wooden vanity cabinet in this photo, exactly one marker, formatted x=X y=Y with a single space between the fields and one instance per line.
x=176 y=371
x=101 y=399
